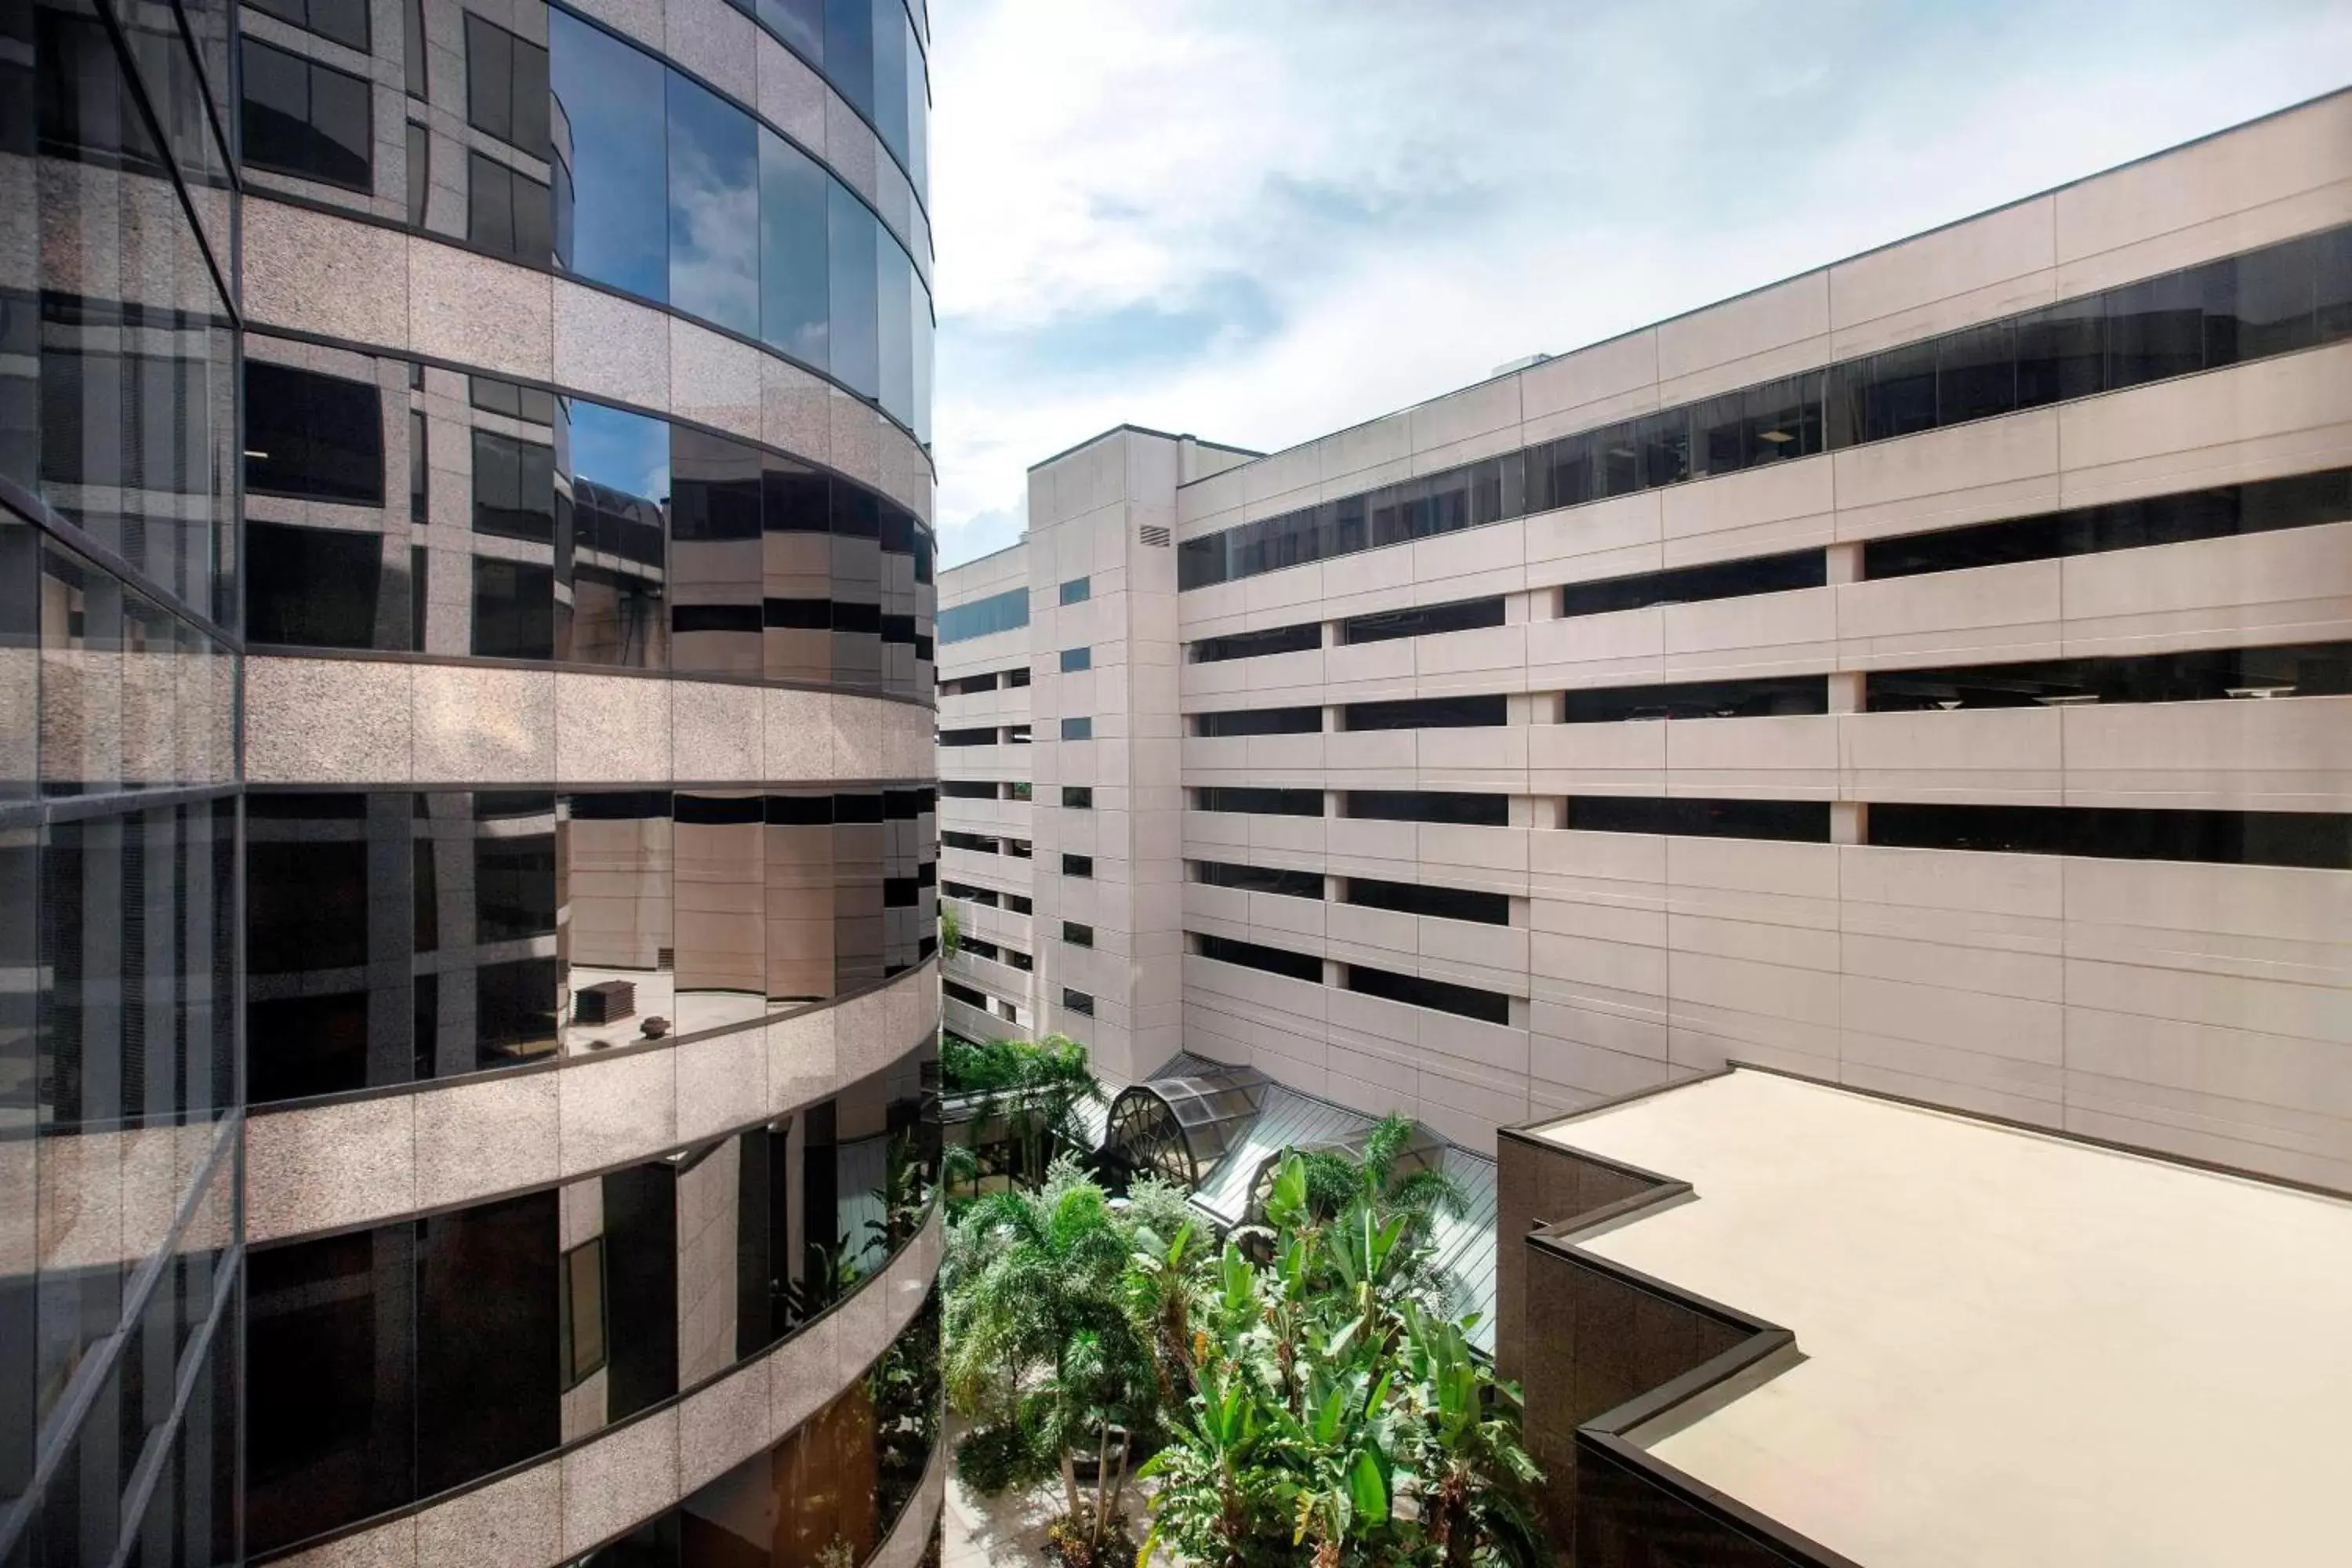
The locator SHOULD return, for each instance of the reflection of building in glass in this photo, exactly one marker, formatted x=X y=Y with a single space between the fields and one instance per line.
x=465 y=883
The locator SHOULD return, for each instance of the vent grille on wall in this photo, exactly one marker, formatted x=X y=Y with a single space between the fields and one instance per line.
x=1151 y=533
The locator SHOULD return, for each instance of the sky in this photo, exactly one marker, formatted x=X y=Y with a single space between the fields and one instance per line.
x=1259 y=221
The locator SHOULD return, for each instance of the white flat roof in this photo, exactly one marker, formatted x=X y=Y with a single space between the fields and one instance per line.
x=2018 y=1349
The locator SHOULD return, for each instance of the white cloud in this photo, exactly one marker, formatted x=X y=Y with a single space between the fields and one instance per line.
x=1262 y=222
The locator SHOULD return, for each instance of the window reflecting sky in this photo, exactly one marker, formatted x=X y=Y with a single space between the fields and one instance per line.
x=626 y=451
x=610 y=115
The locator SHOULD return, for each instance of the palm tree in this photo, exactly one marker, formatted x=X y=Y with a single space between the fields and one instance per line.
x=1334 y=1179
x=1043 y=1355
x=1333 y=1423
x=1033 y=1088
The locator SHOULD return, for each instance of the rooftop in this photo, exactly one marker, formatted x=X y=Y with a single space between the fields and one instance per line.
x=2016 y=1347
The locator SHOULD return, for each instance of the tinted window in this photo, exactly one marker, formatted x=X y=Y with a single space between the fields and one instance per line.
x=1768 y=696
x=2305 y=500
x=420 y=172
x=514 y=488
x=514 y=610
x=798 y=23
x=1077 y=659
x=1253 y=955
x=318 y=436
x=309 y=587
x=794 y=298
x=1078 y=1002
x=1692 y=584
x=1805 y=820
x=1259 y=721
x=1469 y=1002
x=1261 y=802
x=506 y=211
x=998 y=613
x=1255 y=645
x=1078 y=728
x=1426 y=620
x=1078 y=935
x=2225 y=838
x=714 y=209
x=1076 y=799
x=412 y=52
x=894 y=326
x=305 y=118
x=613 y=189
x=620 y=480
x=1444 y=903
x=849 y=50
x=853 y=233
x=344 y=21
x=486 y=1362
x=1430 y=805
x=1259 y=879
x=1427 y=713
x=330 y=1403
x=506 y=86
x=1077 y=865
x=1077 y=591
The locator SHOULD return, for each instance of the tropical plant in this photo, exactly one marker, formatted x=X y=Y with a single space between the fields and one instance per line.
x=950 y=932
x=1044 y=1356
x=1334 y=1179
x=1333 y=1422
x=1024 y=1092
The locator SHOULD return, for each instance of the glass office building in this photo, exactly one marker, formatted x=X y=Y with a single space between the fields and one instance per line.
x=465 y=640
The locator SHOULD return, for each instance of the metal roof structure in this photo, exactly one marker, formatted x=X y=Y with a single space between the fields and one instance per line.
x=1284 y=1118
x=1181 y=1123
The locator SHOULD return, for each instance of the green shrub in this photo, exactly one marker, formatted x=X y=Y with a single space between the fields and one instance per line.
x=994 y=1459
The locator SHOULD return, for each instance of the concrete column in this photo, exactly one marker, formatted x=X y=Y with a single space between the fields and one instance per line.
x=1849 y=821
x=1847 y=693
x=1844 y=562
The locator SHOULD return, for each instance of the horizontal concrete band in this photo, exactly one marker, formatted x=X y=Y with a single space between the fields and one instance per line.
x=311 y=1168
x=2291 y=586
x=366 y=286
x=2253 y=421
x=570 y=1503
x=398 y=722
x=2289 y=754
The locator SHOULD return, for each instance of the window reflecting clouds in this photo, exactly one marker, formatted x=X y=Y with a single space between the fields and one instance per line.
x=667 y=190
x=853 y=237
x=714 y=209
x=611 y=158
x=796 y=303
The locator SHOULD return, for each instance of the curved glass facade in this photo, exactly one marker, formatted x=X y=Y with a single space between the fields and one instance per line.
x=872 y=53
x=665 y=190
x=391 y=1364
x=397 y=936
x=119 y=1262
x=549 y=527
x=839 y=1484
